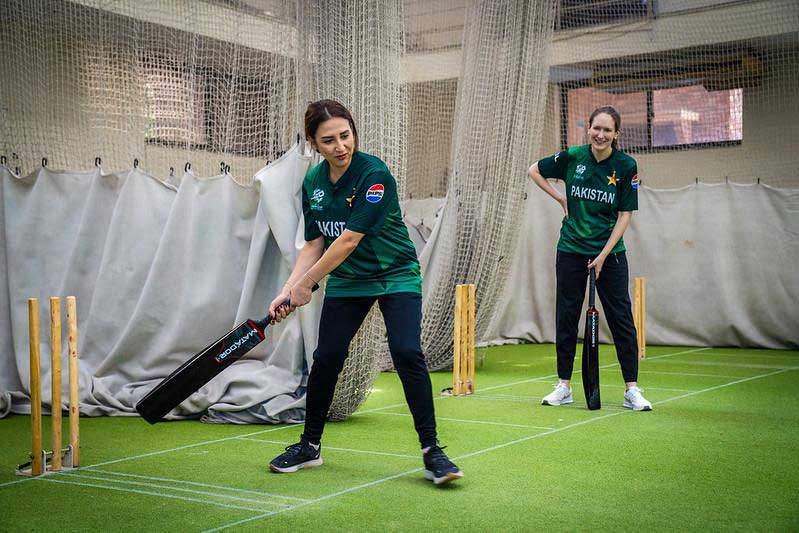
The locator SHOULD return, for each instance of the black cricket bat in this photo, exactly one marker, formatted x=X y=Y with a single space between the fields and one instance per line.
x=591 y=349
x=202 y=367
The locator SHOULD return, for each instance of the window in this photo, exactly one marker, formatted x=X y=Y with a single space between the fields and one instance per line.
x=658 y=119
x=581 y=13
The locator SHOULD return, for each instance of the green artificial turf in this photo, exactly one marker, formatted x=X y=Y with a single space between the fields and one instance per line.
x=716 y=453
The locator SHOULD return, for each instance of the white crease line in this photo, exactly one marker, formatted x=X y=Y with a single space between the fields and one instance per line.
x=159 y=494
x=473 y=421
x=689 y=374
x=194 y=483
x=370 y=452
x=728 y=365
x=479 y=452
x=187 y=446
x=613 y=385
x=579 y=371
x=178 y=489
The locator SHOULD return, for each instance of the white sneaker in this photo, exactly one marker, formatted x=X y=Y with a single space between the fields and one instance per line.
x=633 y=399
x=562 y=394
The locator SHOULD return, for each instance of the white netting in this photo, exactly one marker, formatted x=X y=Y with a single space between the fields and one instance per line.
x=352 y=51
x=163 y=82
x=501 y=94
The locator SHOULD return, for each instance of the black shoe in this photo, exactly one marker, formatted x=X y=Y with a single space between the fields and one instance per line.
x=438 y=468
x=296 y=456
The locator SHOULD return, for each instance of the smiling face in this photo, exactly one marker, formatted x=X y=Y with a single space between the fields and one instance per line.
x=601 y=132
x=335 y=140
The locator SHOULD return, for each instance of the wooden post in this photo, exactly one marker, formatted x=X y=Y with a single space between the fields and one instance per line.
x=37 y=466
x=470 y=335
x=74 y=383
x=456 y=356
x=55 y=373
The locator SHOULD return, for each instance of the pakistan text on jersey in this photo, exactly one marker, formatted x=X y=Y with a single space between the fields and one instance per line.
x=593 y=194
x=330 y=228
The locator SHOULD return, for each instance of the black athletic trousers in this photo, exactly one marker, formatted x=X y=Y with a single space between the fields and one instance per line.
x=572 y=277
x=341 y=318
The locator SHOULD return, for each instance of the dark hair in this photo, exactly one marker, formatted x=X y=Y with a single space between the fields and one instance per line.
x=610 y=110
x=323 y=110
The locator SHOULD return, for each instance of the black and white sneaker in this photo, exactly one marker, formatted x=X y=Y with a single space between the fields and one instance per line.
x=438 y=468
x=296 y=456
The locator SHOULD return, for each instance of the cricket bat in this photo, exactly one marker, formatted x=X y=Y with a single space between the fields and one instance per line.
x=591 y=348
x=202 y=367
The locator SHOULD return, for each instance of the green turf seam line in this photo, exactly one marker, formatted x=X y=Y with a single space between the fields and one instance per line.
x=471 y=421
x=486 y=450
x=177 y=489
x=162 y=495
x=370 y=452
x=195 y=484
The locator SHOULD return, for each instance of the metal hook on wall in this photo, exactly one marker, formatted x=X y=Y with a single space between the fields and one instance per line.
x=187 y=167
x=222 y=167
x=3 y=160
x=171 y=172
x=98 y=161
x=44 y=162
x=227 y=169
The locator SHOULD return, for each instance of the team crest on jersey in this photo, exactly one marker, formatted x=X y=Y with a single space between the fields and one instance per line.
x=375 y=193
x=612 y=179
x=635 y=181
x=579 y=172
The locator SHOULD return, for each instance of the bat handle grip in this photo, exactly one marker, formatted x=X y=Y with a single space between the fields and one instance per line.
x=591 y=287
x=286 y=303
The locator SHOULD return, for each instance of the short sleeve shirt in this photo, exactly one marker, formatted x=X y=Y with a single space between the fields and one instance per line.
x=363 y=200
x=595 y=193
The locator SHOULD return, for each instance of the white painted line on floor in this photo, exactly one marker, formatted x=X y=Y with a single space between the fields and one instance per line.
x=159 y=494
x=370 y=452
x=194 y=483
x=579 y=371
x=472 y=421
x=690 y=374
x=171 y=488
x=731 y=365
x=615 y=386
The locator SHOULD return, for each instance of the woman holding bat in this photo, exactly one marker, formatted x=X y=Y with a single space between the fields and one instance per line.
x=355 y=233
x=601 y=194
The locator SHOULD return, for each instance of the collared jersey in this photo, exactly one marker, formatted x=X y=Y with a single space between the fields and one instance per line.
x=595 y=193
x=364 y=200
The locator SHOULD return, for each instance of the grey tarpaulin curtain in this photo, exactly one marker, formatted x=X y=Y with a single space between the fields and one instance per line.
x=720 y=262
x=158 y=272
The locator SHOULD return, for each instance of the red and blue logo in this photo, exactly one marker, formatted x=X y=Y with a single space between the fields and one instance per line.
x=375 y=193
x=635 y=182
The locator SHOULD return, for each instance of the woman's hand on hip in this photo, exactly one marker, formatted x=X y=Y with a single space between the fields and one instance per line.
x=565 y=205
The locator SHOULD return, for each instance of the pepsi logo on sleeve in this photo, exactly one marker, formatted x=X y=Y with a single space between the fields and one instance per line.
x=635 y=182
x=375 y=193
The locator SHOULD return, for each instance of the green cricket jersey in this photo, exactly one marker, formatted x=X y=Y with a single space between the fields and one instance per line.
x=363 y=200
x=595 y=194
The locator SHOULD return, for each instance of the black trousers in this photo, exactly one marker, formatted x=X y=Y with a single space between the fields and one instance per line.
x=341 y=318
x=572 y=275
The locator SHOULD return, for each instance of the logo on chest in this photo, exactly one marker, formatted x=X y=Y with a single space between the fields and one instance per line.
x=316 y=199
x=375 y=193
x=578 y=172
